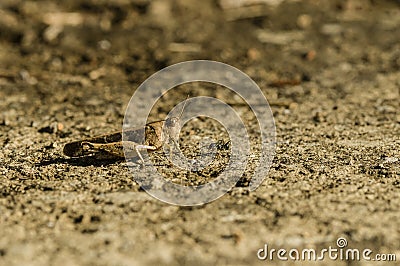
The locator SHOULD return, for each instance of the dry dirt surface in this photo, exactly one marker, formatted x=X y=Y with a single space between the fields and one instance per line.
x=330 y=70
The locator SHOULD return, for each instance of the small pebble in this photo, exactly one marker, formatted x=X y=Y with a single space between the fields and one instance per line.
x=304 y=21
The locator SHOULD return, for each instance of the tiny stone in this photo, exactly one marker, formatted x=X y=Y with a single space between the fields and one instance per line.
x=60 y=126
x=331 y=29
x=304 y=21
x=104 y=44
x=52 y=32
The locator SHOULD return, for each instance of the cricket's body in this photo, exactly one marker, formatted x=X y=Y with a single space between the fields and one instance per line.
x=112 y=146
x=156 y=134
x=153 y=133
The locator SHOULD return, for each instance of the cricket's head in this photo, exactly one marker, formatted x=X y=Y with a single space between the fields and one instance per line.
x=172 y=122
x=173 y=127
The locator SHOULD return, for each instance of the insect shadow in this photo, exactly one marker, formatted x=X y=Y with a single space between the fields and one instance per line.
x=82 y=161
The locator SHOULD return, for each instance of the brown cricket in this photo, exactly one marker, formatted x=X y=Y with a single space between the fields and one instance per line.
x=111 y=145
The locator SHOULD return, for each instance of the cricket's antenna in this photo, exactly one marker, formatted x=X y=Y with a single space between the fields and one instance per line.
x=183 y=108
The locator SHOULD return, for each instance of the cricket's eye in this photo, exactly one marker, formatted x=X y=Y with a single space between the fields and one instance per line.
x=172 y=121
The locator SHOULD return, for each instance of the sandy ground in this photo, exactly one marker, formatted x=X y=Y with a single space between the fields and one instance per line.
x=330 y=70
